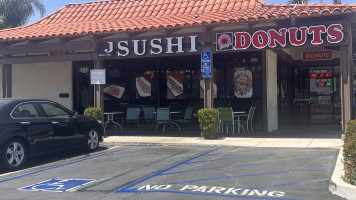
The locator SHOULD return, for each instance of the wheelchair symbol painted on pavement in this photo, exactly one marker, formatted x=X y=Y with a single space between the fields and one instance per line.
x=59 y=185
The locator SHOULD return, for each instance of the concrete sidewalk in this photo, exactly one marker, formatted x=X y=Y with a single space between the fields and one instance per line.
x=225 y=141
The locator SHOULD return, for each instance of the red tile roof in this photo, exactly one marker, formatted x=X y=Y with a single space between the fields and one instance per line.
x=126 y=15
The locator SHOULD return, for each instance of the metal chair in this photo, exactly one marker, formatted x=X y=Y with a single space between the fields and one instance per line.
x=162 y=117
x=249 y=119
x=149 y=114
x=132 y=115
x=187 y=116
x=226 y=118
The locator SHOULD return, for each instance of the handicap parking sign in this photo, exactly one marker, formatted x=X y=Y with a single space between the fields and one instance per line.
x=59 y=185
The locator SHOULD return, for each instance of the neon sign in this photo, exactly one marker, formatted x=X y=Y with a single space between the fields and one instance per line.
x=320 y=75
x=323 y=83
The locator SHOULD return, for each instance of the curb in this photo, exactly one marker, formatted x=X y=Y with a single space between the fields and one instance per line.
x=337 y=186
x=154 y=144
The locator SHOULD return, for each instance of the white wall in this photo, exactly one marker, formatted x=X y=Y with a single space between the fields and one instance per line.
x=43 y=80
x=1 y=81
x=272 y=102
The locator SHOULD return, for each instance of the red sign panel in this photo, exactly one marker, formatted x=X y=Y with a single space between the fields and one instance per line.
x=317 y=55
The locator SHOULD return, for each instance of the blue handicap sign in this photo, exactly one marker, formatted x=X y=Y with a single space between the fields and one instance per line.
x=58 y=185
x=207 y=74
x=206 y=61
x=206 y=67
x=206 y=56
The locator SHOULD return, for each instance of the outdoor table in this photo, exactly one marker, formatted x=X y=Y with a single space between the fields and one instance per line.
x=238 y=114
x=110 y=118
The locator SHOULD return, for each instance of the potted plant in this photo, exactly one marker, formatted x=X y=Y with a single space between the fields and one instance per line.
x=95 y=113
x=208 y=122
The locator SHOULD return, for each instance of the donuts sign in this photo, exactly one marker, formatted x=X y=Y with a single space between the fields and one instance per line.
x=272 y=38
x=224 y=41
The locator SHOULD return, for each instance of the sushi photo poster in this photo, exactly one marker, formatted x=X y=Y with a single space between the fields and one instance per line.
x=143 y=86
x=174 y=85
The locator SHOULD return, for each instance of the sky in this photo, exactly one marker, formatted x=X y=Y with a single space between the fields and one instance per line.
x=53 y=5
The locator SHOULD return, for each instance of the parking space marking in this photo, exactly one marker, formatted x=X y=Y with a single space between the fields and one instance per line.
x=266 y=155
x=248 y=175
x=250 y=164
x=244 y=192
x=163 y=171
x=292 y=183
x=60 y=185
x=62 y=165
x=258 y=192
x=220 y=159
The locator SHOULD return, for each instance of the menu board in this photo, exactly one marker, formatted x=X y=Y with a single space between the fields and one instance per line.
x=243 y=83
x=174 y=85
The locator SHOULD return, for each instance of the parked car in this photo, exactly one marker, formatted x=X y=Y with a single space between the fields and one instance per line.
x=29 y=127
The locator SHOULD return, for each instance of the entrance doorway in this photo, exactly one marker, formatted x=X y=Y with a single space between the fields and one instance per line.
x=83 y=91
x=309 y=95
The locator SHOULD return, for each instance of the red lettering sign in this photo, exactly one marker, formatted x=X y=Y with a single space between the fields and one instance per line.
x=242 y=40
x=317 y=55
x=297 y=37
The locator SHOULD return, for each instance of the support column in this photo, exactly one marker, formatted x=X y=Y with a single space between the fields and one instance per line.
x=7 y=81
x=269 y=82
x=346 y=65
x=209 y=97
x=99 y=89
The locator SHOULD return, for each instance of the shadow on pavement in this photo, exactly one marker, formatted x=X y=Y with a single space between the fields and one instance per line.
x=328 y=131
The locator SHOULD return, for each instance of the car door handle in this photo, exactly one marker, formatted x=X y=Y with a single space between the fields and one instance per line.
x=25 y=123
x=55 y=122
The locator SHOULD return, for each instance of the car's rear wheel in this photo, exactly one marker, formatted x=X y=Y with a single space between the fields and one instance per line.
x=91 y=142
x=14 y=154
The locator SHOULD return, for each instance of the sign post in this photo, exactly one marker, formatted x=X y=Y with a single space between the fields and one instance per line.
x=207 y=74
x=98 y=79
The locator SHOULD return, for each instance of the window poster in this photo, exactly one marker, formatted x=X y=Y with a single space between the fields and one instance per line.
x=143 y=86
x=115 y=90
x=202 y=85
x=243 y=83
x=174 y=85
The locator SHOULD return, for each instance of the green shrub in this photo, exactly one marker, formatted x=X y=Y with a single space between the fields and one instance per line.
x=96 y=113
x=208 y=122
x=350 y=152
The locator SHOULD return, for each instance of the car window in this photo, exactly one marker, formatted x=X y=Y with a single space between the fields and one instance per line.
x=26 y=110
x=55 y=111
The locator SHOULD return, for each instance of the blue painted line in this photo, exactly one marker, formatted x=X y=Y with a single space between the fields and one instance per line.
x=209 y=194
x=254 y=150
x=248 y=175
x=258 y=150
x=265 y=155
x=163 y=171
x=307 y=152
x=251 y=164
x=288 y=184
x=55 y=167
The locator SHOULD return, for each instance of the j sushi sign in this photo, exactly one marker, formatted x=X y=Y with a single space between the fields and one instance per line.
x=155 y=46
x=294 y=36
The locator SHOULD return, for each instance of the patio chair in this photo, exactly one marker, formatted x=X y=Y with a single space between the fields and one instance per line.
x=149 y=114
x=132 y=115
x=162 y=117
x=187 y=117
x=249 y=117
x=226 y=118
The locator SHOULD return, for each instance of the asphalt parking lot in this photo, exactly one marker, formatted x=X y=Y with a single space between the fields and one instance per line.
x=177 y=173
